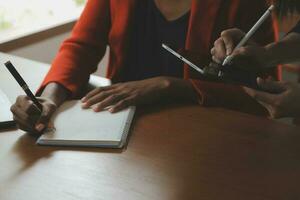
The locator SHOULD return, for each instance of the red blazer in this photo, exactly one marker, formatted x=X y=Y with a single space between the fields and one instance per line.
x=109 y=22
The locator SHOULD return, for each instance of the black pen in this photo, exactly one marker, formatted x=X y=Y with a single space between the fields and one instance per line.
x=23 y=84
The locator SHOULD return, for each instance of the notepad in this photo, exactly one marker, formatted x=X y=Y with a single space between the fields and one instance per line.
x=6 y=117
x=73 y=126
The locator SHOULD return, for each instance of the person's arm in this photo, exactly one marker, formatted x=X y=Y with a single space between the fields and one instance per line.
x=120 y=96
x=254 y=56
x=78 y=57
x=55 y=93
x=80 y=54
x=233 y=96
x=285 y=51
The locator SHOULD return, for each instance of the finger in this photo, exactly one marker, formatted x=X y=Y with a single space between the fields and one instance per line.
x=271 y=86
x=95 y=92
x=261 y=96
x=273 y=114
x=122 y=105
x=230 y=38
x=23 y=126
x=241 y=54
x=213 y=51
x=220 y=50
x=97 y=98
x=21 y=99
x=24 y=103
x=228 y=43
x=45 y=117
x=30 y=108
x=216 y=60
x=23 y=117
x=109 y=101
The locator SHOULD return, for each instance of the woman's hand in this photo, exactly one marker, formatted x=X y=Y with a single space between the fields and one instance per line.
x=225 y=45
x=28 y=116
x=252 y=57
x=283 y=99
x=120 y=96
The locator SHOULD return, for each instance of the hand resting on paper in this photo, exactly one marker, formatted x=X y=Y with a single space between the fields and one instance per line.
x=122 y=95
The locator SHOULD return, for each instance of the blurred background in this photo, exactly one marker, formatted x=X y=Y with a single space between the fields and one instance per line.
x=34 y=29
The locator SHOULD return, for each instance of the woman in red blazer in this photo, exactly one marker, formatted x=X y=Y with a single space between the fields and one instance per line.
x=114 y=23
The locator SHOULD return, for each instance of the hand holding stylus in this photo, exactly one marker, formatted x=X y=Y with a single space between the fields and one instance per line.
x=252 y=57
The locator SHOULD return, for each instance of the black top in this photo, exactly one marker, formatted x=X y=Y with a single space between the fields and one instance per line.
x=147 y=58
x=296 y=29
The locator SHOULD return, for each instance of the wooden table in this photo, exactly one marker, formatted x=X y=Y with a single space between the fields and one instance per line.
x=175 y=152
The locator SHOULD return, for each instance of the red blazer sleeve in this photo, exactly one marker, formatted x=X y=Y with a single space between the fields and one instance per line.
x=231 y=96
x=80 y=54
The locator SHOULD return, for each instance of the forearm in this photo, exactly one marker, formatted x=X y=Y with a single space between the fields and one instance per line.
x=285 y=51
x=56 y=93
x=180 y=89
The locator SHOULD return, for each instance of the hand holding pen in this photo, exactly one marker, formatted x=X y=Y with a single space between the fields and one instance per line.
x=229 y=48
x=251 y=32
x=31 y=114
x=252 y=57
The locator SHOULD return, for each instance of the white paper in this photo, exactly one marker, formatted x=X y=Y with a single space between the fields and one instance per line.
x=74 y=126
x=5 y=114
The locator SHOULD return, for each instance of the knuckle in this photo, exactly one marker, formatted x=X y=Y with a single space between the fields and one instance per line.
x=13 y=108
x=276 y=114
x=50 y=105
x=235 y=30
x=217 y=42
x=99 y=89
x=29 y=107
x=21 y=98
x=225 y=33
x=113 y=96
x=104 y=93
x=99 y=105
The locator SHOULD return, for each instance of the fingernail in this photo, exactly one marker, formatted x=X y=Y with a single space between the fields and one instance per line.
x=84 y=105
x=96 y=109
x=83 y=99
x=39 y=127
x=111 y=110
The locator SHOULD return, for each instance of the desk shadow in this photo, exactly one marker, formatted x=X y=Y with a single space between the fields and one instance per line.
x=29 y=152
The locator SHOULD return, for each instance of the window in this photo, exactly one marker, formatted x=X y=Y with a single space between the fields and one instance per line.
x=22 y=17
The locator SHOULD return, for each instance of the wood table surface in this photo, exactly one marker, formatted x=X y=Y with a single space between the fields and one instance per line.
x=174 y=152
